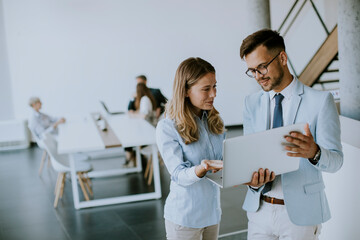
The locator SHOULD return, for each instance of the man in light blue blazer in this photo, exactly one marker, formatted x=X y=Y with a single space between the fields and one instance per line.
x=291 y=205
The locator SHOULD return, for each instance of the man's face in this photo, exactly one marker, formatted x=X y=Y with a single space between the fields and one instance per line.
x=273 y=78
x=37 y=106
x=140 y=80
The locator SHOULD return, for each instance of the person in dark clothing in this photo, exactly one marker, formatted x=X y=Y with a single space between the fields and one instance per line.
x=159 y=97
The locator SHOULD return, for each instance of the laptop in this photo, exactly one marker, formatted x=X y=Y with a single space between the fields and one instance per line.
x=108 y=111
x=246 y=154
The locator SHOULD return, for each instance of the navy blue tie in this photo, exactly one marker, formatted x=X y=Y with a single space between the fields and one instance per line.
x=278 y=113
x=277 y=122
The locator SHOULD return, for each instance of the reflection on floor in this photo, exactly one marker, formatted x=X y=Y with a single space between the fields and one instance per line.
x=26 y=205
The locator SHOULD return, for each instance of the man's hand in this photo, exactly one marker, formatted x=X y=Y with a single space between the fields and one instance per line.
x=261 y=177
x=60 y=121
x=305 y=145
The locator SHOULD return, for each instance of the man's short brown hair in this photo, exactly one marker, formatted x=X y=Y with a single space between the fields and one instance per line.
x=266 y=37
x=143 y=77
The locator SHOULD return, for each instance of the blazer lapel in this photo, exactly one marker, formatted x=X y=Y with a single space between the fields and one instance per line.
x=264 y=112
x=295 y=101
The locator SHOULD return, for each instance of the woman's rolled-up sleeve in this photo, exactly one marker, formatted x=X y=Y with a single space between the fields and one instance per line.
x=182 y=172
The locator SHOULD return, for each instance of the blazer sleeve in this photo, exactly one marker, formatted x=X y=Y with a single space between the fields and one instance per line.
x=247 y=121
x=328 y=137
x=131 y=105
x=160 y=98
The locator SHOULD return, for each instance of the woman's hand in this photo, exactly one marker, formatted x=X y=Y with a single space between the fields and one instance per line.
x=208 y=165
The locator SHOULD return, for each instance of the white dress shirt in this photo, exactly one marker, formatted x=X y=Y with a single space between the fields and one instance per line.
x=276 y=190
x=40 y=123
x=146 y=106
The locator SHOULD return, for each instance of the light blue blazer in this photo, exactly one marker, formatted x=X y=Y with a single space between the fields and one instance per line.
x=304 y=195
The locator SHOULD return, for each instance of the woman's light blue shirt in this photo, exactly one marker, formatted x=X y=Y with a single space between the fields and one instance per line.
x=192 y=202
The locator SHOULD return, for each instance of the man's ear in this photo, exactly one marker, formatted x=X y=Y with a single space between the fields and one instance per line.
x=283 y=58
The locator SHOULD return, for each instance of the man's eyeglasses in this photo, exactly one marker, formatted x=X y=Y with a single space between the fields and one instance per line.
x=262 y=69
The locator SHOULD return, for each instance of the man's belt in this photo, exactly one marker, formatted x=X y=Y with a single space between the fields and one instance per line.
x=272 y=200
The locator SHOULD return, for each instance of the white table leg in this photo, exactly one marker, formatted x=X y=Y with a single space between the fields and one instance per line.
x=74 y=185
x=138 y=159
x=122 y=199
x=157 y=183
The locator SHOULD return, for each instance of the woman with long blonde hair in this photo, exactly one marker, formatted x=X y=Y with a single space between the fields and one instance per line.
x=190 y=142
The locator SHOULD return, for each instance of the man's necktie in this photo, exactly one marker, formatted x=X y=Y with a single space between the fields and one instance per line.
x=277 y=122
x=278 y=113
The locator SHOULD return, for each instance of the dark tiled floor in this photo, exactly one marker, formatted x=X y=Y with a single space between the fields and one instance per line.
x=26 y=205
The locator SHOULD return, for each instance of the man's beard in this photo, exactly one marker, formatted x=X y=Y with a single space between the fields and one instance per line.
x=274 y=82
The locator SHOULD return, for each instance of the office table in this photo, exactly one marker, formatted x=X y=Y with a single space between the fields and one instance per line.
x=84 y=136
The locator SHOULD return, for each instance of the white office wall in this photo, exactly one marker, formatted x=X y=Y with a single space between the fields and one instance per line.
x=343 y=197
x=6 y=106
x=341 y=188
x=71 y=53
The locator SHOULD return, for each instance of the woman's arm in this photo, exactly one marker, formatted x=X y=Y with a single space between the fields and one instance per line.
x=182 y=172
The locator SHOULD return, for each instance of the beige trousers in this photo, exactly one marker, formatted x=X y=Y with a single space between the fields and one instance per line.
x=271 y=222
x=178 y=232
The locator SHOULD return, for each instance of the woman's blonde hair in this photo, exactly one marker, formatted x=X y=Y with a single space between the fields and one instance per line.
x=179 y=108
x=143 y=90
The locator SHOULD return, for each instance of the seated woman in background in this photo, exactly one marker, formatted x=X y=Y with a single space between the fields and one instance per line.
x=39 y=122
x=191 y=133
x=145 y=104
x=145 y=107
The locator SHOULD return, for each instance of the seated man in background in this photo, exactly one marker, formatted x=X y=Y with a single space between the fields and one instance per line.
x=160 y=99
x=39 y=122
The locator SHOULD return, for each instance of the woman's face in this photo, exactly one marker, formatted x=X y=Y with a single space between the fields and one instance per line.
x=203 y=93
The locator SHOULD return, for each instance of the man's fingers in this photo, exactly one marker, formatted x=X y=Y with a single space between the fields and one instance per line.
x=295 y=154
x=299 y=143
x=297 y=135
x=307 y=130
x=261 y=176
x=296 y=142
x=255 y=179
x=272 y=176
x=294 y=149
x=267 y=175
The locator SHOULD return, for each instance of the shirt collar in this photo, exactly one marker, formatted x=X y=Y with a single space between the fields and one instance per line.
x=286 y=92
x=204 y=115
x=36 y=114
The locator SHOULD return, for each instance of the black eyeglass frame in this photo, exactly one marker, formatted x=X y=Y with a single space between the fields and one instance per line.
x=252 y=75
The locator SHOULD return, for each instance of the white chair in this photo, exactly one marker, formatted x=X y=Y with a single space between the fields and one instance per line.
x=45 y=156
x=60 y=163
x=42 y=147
x=147 y=152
